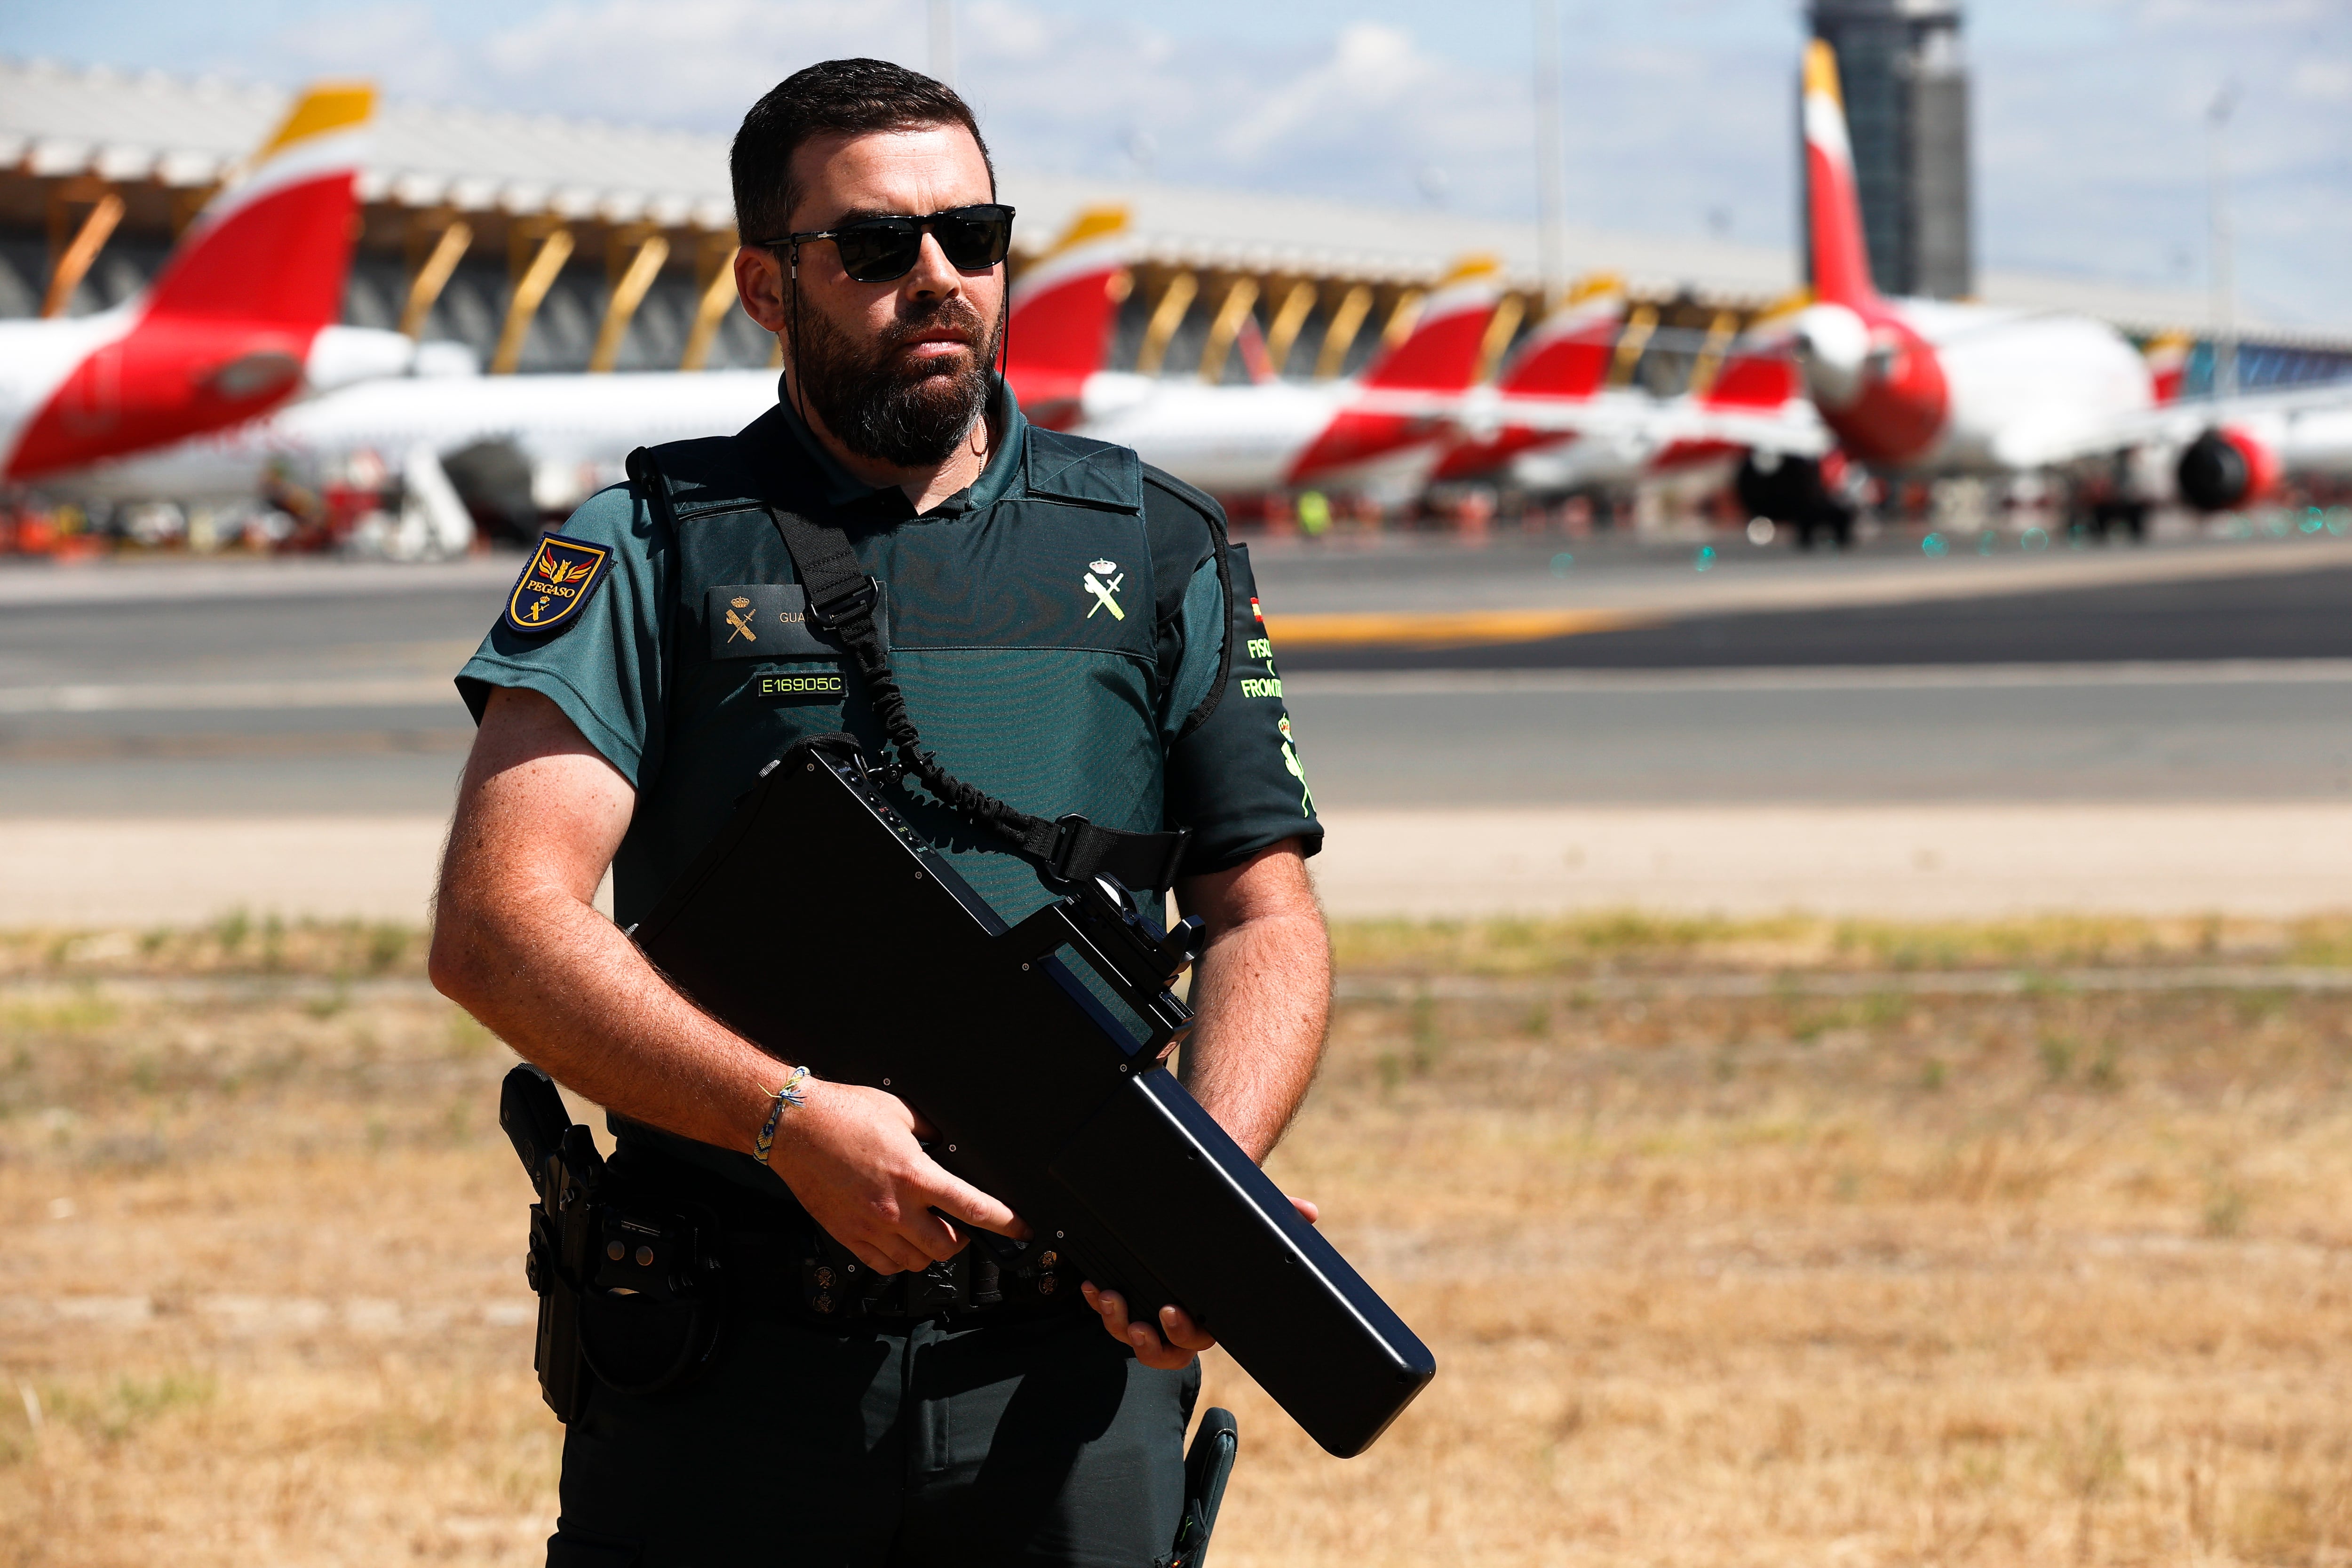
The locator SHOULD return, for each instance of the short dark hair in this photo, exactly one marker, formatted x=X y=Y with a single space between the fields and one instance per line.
x=851 y=98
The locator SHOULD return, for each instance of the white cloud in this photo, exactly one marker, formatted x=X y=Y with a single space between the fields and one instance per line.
x=1371 y=70
x=2324 y=80
x=2089 y=113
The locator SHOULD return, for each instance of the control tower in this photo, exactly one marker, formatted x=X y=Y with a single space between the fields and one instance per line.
x=1906 y=104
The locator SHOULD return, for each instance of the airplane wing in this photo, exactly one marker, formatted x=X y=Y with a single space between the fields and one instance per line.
x=2170 y=424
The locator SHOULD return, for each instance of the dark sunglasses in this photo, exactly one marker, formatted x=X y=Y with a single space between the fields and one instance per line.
x=883 y=250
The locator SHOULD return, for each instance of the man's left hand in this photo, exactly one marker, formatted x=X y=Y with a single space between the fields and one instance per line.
x=1177 y=1339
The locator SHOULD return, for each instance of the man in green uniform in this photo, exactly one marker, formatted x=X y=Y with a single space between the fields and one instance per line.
x=1072 y=635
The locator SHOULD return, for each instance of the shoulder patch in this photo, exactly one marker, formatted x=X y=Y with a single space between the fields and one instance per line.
x=562 y=575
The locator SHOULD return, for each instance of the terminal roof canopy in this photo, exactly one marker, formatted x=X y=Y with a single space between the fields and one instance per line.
x=59 y=122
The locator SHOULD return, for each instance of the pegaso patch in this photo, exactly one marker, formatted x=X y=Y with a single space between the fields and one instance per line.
x=555 y=585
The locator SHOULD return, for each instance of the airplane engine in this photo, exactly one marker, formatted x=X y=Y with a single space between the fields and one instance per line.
x=492 y=478
x=344 y=356
x=1877 y=384
x=2224 y=468
x=1833 y=344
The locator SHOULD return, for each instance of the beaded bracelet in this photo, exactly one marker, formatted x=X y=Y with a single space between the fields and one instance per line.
x=791 y=1093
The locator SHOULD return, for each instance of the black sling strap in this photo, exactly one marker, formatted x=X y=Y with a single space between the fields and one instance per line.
x=841 y=600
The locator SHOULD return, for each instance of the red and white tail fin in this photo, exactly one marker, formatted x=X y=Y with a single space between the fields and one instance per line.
x=2168 y=365
x=1436 y=362
x=1058 y=332
x=1566 y=358
x=1568 y=352
x=1442 y=350
x=224 y=333
x=1759 y=371
x=1833 y=201
x=1250 y=343
x=277 y=245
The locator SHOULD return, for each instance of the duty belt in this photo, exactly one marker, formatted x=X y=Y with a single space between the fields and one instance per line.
x=811 y=1276
x=774 y=1254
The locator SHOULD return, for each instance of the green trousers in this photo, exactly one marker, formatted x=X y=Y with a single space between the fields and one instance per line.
x=1033 y=1443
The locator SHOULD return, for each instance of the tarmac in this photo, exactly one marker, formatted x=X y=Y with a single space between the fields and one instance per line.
x=1898 y=862
x=2165 y=731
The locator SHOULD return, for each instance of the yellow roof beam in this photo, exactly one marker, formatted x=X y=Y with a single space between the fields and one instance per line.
x=628 y=292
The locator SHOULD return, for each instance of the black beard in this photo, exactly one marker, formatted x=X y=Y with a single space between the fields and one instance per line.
x=908 y=418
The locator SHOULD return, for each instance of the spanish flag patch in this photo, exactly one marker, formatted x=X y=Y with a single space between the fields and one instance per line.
x=560 y=576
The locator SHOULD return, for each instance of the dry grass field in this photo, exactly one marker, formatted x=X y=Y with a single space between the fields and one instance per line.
x=1771 y=1243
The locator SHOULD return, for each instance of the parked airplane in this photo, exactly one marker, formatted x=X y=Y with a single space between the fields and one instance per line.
x=569 y=434
x=1562 y=415
x=1928 y=387
x=1922 y=386
x=2257 y=443
x=1558 y=372
x=1065 y=305
x=1382 y=432
x=573 y=430
x=240 y=321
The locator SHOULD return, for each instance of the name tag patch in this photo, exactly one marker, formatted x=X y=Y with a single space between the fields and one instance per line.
x=562 y=575
x=770 y=620
x=800 y=688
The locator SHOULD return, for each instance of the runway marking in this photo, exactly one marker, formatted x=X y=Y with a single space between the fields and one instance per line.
x=212 y=745
x=270 y=577
x=2318 y=980
x=1430 y=631
x=156 y=696
x=1460 y=628
x=1819 y=677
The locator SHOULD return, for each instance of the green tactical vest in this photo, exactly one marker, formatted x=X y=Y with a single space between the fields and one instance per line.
x=1023 y=620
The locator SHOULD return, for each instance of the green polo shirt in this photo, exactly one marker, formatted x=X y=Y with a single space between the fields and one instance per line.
x=1061 y=629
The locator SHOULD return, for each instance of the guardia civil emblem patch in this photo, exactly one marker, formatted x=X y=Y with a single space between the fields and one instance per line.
x=1103 y=585
x=560 y=576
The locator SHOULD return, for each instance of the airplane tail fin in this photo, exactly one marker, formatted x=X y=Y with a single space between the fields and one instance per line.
x=2168 y=365
x=1058 y=330
x=275 y=246
x=1442 y=349
x=1759 y=371
x=1568 y=352
x=1832 y=200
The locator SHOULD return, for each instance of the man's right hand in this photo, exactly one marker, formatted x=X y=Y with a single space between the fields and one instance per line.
x=518 y=942
x=853 y=1158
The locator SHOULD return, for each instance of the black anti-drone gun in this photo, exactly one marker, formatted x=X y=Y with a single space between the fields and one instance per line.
x=820 y=926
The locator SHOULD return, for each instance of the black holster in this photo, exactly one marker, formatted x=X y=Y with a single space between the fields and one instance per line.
x=1207 y=1468
x=629 y=1290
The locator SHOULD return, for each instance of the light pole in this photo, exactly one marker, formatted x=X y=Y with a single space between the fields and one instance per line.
x=2224 y=306
x=1551 y=240
x=943 y=41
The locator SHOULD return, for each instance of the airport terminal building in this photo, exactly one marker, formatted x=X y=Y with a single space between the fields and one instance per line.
x=550 y=245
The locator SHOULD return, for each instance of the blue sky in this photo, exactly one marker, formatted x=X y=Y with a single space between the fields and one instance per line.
x=2091 y=146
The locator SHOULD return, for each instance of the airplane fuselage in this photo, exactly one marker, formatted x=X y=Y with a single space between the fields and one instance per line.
x=574 y=430
x=1240 y=440
x=1925 y=386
